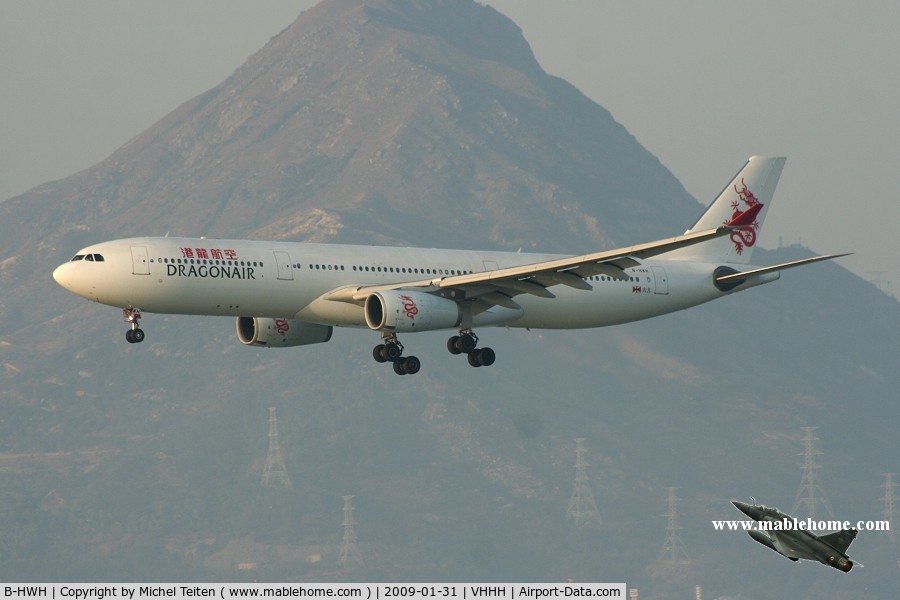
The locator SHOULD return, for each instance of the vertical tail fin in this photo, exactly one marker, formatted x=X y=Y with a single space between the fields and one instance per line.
x=840 y=540
x=743 y=202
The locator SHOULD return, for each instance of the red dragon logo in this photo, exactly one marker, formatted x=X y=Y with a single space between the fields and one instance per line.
x=745 y=237
x=409 y=307
x=282 y=326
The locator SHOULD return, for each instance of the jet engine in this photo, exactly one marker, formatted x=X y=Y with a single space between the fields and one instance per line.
x=397 y=310
x=843 y=564
x=280 y=333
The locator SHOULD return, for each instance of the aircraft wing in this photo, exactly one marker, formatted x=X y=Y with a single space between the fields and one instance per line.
x=785 y=543
x=498 y=287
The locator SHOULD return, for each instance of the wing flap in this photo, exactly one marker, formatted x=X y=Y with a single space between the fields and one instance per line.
x=528 y=287
x=565 y=278
x=500 y=299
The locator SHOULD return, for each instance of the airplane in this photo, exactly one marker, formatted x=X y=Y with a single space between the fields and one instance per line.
x=798 y=543
x=293 y=294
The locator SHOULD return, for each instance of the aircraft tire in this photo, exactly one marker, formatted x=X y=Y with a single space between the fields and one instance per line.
x=398 y=368
x=137 y=336
x=473 y=360
x=466 y=343
x=452 y=344
x=411 y=365
x=129 y=336
x=378 y=353
x=486 y=356
x=392 y=352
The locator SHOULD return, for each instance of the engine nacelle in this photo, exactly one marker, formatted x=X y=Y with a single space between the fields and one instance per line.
x=280 y=333
x=842 y=564
x=396 y=310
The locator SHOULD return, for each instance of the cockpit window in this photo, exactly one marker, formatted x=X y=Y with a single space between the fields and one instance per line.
x=90 y=257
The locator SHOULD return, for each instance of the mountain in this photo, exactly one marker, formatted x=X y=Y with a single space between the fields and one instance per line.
x=419 y=123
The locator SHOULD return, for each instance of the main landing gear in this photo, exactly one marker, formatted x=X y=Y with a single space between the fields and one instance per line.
x=135 y=335
x=466 y=343
x=392 y=351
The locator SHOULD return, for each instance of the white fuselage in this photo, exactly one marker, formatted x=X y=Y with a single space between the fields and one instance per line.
x=288 y=280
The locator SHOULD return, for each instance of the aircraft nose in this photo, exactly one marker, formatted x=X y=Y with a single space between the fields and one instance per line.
x=58 y=274
x=740 y=506
x=62 y=275
x=744 y=508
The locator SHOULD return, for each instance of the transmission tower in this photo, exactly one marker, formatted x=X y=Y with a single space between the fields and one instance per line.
x=350 y=556
x=888 y=498
x=275 y=471
x=582 y=507
x=811 y=494
x=673 y=562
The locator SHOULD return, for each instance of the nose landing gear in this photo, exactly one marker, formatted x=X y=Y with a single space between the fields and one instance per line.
x=466 y=343
x=392 y=351
x=132 y=315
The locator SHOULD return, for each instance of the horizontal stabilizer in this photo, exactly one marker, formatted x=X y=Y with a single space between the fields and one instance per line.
x=781 y=267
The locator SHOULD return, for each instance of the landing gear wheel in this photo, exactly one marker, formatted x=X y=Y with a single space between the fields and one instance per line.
x=391 y=352
x=378 y=353
x=133 y=317
x=411 y=365
x=466 y=343
x=486 y=356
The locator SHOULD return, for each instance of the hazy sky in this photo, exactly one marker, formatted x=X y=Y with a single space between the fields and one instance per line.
x=701 y=83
